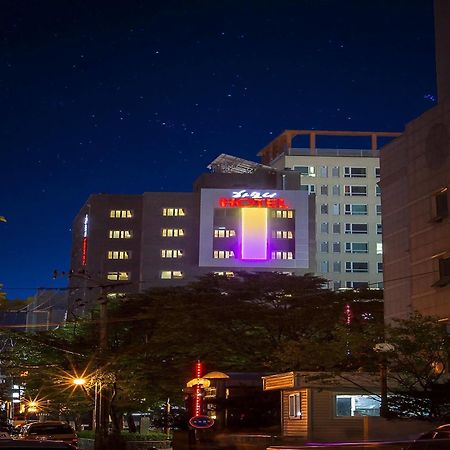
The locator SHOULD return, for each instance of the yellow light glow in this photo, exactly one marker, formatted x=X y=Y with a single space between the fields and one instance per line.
x=79 y=381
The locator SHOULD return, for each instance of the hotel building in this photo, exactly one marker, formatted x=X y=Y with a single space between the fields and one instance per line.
x=349 y=251
x=241 y=216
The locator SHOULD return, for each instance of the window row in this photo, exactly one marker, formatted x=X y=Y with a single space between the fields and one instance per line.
x=224 y=233
x=349 y=190
x=350 y=267
x=335 y=171
x=172 y=232
x=173 y=212
x=349 y=228
x=349 y=209
x=121 y=214
x=350 y=247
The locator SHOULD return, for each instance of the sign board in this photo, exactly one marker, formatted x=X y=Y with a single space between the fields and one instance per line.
x=201 y=422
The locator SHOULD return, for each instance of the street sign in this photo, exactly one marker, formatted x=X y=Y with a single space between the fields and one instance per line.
x=201 y=422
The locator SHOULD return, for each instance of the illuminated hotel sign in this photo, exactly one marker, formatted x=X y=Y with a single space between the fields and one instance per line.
x=251 y=202
x=254 y=194
x=85 y=237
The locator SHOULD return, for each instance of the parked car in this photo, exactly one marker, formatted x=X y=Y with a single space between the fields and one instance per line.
x=49 y=431
x=33 y=444
x=436 y=439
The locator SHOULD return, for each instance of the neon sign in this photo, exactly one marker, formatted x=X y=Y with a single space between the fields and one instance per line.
x=255 y=194
x=85 y=238
x=250 y=202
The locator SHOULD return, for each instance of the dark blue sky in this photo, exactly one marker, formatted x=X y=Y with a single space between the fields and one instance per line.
x=133 y=96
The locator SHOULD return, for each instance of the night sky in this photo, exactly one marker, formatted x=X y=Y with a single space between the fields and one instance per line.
x=135 y=96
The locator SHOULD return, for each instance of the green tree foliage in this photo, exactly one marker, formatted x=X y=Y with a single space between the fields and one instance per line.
x=418 y=368
x=264 y=322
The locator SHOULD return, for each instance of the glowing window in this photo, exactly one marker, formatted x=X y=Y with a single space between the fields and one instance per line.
x=282 y=234
x=118 y=276
x=171 y=274
x=282 y=255
x=295 y=406
x=119 y=254
x=379 y=248
x=283 y=214
x=169 y=253
x=357 y=405
x=223 y=233
x=223 y=254
x=172 y=232
x=120 y=234
x=173 y=212
x=121 y=213
x=224 y=274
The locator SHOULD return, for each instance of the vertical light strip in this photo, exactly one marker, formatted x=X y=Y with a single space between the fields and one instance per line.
x=85 y=238
x=254 y=233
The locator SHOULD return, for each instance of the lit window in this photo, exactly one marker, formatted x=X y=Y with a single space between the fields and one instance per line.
x=357 y=405
x=171 y=253
x=355 y=191
x=172 y=232
x=283 y=214
x=356 y=247
x=356 y=228
x=223 y=254
x=121 y=214
x=171 y=274
x=118 y=276
x=282 y=234
x=224 y=274
x=295 y=406
x=282 y=255
x=355 y=210
x=355 y=172
x=115 y=295
x=120 y=234
x=223 y=233
x=379 y=248
x=353 y=266
x=119 y=254
x=439 y=206
x=173 y=212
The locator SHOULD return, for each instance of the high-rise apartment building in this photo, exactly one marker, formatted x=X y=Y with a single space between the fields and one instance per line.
x=348 y=228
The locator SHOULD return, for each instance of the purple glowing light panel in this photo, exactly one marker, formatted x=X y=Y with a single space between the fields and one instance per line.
x=254 y=234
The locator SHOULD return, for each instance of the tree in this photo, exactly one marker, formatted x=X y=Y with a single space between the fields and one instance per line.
x=418 y=367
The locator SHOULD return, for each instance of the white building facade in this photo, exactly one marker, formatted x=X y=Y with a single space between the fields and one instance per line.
x=348 y=232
